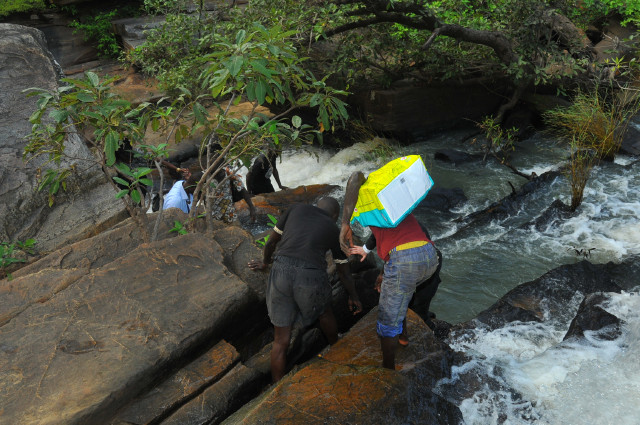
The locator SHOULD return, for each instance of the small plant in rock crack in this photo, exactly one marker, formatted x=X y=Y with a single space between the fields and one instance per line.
x=272 y=223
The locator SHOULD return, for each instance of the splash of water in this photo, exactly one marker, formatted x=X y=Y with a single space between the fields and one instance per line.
x=545 y=380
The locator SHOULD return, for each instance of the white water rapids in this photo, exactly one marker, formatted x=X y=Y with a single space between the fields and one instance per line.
x=558 y=383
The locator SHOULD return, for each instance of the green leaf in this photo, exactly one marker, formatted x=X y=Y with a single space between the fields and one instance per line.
x=251 y=91
x=146 y=182
x=315 y=100
x=240 y=36
x=121 y=181
x=59 y=115
x=110 y=147
x=44 y=100
x=261 y=91
x=122 y=193
x=93 y=78
x=296 y=121
x=124 y=169
x=200 y=113
x=235 y=65
x=135 y=196
x=85 y=97
x=259 y=66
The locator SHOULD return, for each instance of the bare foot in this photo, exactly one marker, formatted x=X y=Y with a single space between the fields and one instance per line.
x=403 y=340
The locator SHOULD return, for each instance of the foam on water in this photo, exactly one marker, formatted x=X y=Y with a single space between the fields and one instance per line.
x=544 y=380
x=318 y=166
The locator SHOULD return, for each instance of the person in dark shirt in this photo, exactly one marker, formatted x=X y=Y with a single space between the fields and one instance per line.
x=298 y=288
x=259 y=175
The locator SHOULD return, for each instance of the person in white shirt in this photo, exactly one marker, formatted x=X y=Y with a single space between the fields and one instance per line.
x=181 y=194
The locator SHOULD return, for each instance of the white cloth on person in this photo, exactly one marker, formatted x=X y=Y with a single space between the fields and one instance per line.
x=178 y=198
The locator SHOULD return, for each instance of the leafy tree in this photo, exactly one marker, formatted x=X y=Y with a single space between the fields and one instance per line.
x=89 y=104
x=261 y=67
x=8 y=7
x=593 y=126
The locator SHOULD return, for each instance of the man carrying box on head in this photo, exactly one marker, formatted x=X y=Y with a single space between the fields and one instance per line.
x=384 y=202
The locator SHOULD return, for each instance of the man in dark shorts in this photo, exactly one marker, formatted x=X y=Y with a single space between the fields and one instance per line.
x=298 y=288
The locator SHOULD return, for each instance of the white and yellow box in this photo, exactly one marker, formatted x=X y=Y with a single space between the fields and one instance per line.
x=392 y=191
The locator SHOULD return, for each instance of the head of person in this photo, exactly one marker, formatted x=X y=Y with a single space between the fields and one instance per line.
x=330 y=205
x=190 y=184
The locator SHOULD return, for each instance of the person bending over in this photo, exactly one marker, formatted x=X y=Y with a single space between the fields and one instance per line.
x=298 y=288
x=409 y=256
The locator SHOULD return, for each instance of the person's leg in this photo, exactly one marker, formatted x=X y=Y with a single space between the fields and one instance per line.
x=389 y=346
x=328 y=325
x=282 y=311
x=392 y=307
x=281 y=336
x=403 y=338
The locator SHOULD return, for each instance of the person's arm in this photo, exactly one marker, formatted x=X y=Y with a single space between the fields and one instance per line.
x=365 y=249
x=252 y=209
x=277 y=176
x=350 y=198
x=267 y=252
x=344 y=272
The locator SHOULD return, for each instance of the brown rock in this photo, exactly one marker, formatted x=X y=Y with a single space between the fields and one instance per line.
x=80 y=355
x=277 y=203
x=181 y=386
x=348 y=384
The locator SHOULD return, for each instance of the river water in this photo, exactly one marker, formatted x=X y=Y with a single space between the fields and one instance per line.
x=593 y=382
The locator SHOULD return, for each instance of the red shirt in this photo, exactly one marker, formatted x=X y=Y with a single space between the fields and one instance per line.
x=408 y=230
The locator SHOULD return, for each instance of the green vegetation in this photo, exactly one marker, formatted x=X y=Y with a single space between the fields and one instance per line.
x=501 y=141
x=272 y=223
x=275 y=54
x=179 y=228
x=594 y=126
x=8 y=7
x=9 y=256
x=98 y=30
x=89 y=103
x=260 y=66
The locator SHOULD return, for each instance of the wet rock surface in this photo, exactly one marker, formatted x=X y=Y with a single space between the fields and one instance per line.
x=346 y=384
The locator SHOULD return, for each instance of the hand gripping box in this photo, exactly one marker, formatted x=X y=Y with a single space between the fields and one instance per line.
x=392 y=192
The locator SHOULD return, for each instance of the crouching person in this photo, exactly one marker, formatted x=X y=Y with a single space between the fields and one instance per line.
x=298 y=287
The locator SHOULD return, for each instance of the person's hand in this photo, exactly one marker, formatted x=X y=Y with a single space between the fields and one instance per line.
x=355 y=306
x=346 y=238
x=358 y=250
x=186 y=173
x=257 y=265
x=378 y=283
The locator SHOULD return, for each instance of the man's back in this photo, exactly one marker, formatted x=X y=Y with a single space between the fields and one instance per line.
x=307 y=233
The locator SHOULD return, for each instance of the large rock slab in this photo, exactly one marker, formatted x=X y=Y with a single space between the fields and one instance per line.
x=181 y=387
x=347 y=384
x=89 y=203
x=80 y=355
x=43 y=279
